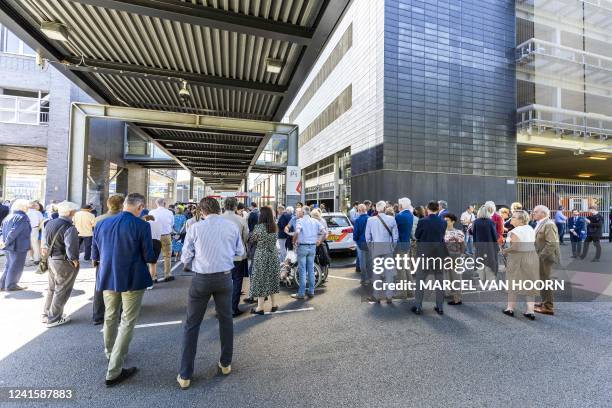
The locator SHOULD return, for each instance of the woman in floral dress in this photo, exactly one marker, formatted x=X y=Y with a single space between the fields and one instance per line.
x=455 y=243
x=265 y=279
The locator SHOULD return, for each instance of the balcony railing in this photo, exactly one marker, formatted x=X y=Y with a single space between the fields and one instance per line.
x=28 y=111
x=528 y=49
x=563 y=121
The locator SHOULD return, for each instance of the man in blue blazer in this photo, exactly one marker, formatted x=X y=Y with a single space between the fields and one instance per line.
x=430 y=233
x=359 y=228
x=404 y=220
x=443 y=209
x=16 y=230
x=121 y=248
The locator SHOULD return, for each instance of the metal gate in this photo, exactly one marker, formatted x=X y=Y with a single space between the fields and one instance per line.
x=571 y=194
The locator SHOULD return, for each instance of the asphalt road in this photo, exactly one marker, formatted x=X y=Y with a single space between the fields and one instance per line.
x=342 y=352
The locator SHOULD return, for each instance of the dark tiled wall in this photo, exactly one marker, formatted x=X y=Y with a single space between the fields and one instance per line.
x=449 y=87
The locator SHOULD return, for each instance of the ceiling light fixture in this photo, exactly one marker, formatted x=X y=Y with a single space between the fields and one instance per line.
x=184 y=93
x=598 y=158
x=535 y=152
x=584 y=175
x=274 y=66
x=54 y=31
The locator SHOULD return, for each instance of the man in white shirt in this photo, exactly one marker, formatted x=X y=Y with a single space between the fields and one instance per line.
x=36 y=219
x=467 y=218
x=165 y=218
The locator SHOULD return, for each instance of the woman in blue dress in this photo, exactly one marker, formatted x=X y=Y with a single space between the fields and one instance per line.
x=178 y=232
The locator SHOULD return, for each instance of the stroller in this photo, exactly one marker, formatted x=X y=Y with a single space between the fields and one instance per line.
x=290 y=271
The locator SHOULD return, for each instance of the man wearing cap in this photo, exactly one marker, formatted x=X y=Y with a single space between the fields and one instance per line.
x=60 y=241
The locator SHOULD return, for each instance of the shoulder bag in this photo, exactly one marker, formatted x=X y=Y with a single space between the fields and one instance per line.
x=43 y=265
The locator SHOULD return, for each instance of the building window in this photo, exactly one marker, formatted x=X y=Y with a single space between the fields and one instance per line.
x=25 y=107
x=11 y=44
x=344 y=44
x=333 y=111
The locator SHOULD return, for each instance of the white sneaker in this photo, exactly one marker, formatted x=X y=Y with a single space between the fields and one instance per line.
x=225 y=370
x=184 y=384
x=63 y=320
x=149 y=287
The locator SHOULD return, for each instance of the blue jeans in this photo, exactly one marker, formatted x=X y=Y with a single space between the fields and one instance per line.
x=306 y=255
x=361 y=261
x=561 y=229
x=469 y=244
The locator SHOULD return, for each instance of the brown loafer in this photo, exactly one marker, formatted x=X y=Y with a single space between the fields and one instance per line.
x=544 y=310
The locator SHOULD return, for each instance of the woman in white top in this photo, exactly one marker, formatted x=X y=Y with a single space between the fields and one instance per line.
x=156 y=234
x=522 y=263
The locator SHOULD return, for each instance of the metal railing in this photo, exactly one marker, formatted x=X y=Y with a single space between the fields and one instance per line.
x=571 y=194
x=528 y=49
x=540 y=117
x=28 y=111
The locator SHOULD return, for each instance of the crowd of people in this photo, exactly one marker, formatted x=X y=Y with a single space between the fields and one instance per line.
x=125 y=243
x=528 y=245
x=223 y=248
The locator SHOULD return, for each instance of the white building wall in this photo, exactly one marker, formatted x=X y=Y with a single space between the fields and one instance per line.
x=361 y=127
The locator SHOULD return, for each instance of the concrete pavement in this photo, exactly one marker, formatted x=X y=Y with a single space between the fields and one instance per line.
x=341 y=353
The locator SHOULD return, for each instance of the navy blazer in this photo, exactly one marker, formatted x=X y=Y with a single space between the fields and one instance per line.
x=123 y=246
x=430 y=233
x=283 y=221
x=578 y=224
x=16 y=231
x=404 y=220
x=359 y=228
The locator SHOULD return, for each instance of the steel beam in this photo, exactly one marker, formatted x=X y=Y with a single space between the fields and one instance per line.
x=81 y=113
x=78 y=149
x=189 y=120
x=186 y=12
x=166 y=75
x=234 y=146
x=204 y=131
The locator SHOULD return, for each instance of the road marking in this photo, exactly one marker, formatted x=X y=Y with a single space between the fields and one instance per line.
x=305 y=309
x=342 y=277
x=176 y=266
x=140 y=326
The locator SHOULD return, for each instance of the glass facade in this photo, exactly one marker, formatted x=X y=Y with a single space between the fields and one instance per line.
x=449 y=91
x=564 y=68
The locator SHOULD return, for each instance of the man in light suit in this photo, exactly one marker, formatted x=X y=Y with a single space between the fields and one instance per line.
x=547 y=247
x=16 y=230
x=381 y=235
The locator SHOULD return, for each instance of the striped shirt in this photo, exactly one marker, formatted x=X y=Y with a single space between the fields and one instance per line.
x=212 y=244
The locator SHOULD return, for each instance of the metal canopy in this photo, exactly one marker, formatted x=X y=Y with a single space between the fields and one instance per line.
x=137 y=52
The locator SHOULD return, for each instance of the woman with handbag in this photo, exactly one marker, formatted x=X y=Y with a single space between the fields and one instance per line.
x=265 y=277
